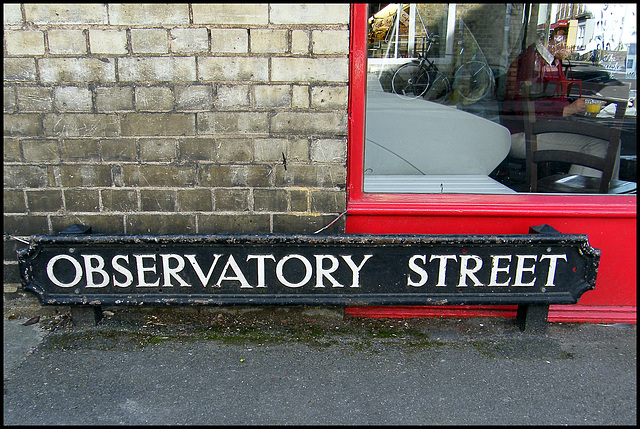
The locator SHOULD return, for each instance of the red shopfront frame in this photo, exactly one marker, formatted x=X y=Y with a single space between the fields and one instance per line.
x=609 y=221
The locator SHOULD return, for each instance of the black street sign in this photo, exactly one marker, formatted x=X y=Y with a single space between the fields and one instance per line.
x=528 y=269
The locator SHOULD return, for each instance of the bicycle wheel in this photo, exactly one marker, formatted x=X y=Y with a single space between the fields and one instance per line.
x=473 y=81
x=410 y=80
x=439 y=90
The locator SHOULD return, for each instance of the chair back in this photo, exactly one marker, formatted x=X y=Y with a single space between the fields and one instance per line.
x=534 y=156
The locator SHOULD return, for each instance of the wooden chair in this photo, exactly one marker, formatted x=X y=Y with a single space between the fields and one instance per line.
x=572 y=183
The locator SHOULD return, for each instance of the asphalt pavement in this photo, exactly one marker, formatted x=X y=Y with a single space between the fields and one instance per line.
x=314 y=366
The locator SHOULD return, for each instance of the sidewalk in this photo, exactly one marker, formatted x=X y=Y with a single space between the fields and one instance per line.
x=312 y=366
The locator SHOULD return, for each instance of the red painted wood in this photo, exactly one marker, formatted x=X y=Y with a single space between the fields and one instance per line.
x=557 y=313
x=609 y=221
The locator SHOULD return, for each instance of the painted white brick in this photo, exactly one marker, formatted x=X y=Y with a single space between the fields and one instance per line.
x=232 y=96
x=232 y=40
x=330 y=41
x=66 y=13
x=299 y=42
x=230 y=13
x=312 y=13
x=149 y=13
x=72 y=99
x=67 y=42
x=269 y=40
x=20 y=43
x=53 y=70
x=310 y=69
x=233 y=68
x=160 y=69
x=149 y=41
x=108 y=42
x=189 y=40
x=12 y=14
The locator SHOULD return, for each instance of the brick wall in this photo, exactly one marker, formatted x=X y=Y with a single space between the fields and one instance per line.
x=173 y=118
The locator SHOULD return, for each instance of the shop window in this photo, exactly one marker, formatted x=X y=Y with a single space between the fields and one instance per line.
x=444 y=107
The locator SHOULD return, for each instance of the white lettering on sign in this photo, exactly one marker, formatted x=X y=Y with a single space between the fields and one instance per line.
x=471 y=266
x=318 y=271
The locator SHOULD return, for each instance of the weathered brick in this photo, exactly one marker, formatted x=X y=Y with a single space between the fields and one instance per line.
x=152 y=200
x=66 y=13
x=310 y=13
x=329 y=150
x=99 y=223
x=158 y=124
x=229 y=41
x=233 y=68
x=158 y=175
x=22 y=125
x=110 y=42
x=329 y=97
x=35 y=99
x=270 y=96
x=82 y=200
x=306 y=224
x=327 y=176
x=85 y=175
x=44 y=200
x=231 y=199
x=114 y=98
x=11 y=150
x=233 y=123
x=234 y=150
x=19 y=69
x=25 y=224
x=194 y=97
x=81 y=124
x=299 y=200
x=213 y=175
x=149 y=41
x=72 y=99
x=270 y=149
x=157 y=69
x=269 y=40
x=40 y=150
x=149 y=13
x=118 y=149
x=154 y=98
x=25 y=176
x=298 y=150
x=234 y=224
x=284 y=69
x=300 y=98
x=67 y=42
x=194 y=200
x=232 y=97
x=158 y=150
x=197 y=149
x=327 y=201
x=330 y=42
x=9 y=99
x=156 y=224
x=270 y=200
x=227 y=13
x=300 y=42
x=13 y=201
x=21 y=43
x=310 y=123
x=119 y=200
x=57 y=70
x=78 y=150
x=12 y=14
x=189 y=40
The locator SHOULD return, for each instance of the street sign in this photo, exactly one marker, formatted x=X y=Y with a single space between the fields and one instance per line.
x=528 y=269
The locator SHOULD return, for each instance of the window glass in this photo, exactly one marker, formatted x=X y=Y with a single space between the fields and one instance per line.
x=447 y=111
